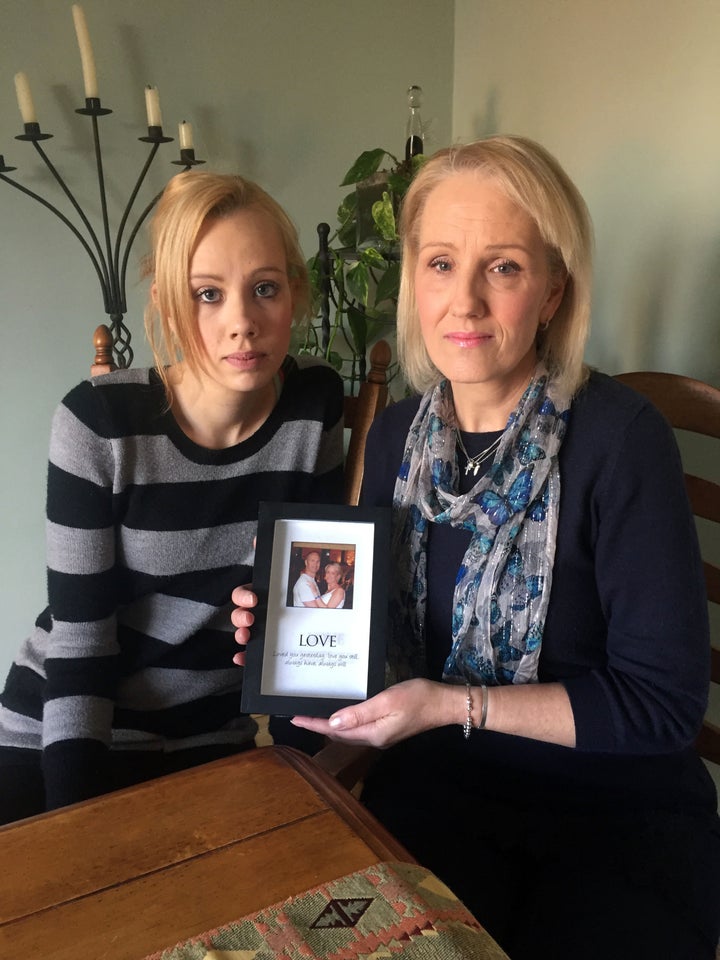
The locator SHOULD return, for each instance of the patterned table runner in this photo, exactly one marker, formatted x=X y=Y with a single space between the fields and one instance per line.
x=390 y=910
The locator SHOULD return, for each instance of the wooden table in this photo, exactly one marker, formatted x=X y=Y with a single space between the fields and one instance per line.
x=124 y=875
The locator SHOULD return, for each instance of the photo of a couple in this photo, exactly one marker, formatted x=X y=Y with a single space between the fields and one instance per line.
x=321 y=576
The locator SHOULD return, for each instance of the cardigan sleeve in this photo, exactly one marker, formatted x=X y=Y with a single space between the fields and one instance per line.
x=649 y=694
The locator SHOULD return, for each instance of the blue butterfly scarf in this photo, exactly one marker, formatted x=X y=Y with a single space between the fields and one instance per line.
x=503 y=584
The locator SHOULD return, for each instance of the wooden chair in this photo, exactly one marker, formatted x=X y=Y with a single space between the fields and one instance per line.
x=694 y=406
x=359 y=414
x=103 y=343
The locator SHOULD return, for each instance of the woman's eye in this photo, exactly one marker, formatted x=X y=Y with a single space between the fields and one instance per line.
x=208 y=295
x=441 y=265
x=266 y=289
x=506 y=268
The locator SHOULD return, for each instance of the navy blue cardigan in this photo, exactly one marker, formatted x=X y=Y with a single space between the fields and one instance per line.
x=626 y=631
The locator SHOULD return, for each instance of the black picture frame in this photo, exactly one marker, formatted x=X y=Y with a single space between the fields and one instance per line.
x=308 y=658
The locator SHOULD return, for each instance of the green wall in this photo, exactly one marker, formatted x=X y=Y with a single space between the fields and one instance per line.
x=627 y=95
x=287 y=92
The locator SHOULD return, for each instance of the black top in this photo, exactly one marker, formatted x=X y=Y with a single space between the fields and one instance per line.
x=626 y=630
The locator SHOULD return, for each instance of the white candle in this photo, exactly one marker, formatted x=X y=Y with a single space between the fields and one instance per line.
x=86 y=51
x=152 y=105
x=24 y=98
x=185 y=133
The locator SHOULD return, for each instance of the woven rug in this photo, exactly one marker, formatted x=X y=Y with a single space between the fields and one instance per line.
x=388 y=911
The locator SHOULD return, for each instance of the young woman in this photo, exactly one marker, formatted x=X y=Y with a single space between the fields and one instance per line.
x=153 y=488
x=548 y=593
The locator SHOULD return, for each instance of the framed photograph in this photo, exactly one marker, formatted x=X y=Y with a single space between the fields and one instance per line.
x=321 y=577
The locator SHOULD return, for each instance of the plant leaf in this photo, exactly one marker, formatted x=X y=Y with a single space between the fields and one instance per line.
x=357 y=280
x=384 y=217
x=348 y=208
x=399 y=181
x=358 y=323
x=419 y=160
x=388 y=285
x=313 y=269
x=339 y=279
x=374 y=329
x=373 y=258
x=347 y=217
x=335 y=360
x=347 y=236
x=366 y=164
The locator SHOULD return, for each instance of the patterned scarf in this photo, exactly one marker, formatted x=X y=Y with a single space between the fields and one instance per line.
x=503 y=585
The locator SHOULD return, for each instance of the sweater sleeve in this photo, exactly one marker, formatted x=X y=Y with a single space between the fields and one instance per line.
x=650 y=694
x=82 y=660
x=314 y=394
x=329 y=477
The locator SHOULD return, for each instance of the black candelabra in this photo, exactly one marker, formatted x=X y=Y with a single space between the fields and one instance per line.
x=108 y=257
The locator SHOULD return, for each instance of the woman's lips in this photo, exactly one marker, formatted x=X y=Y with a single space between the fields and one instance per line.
x=461 y=339
x=246 y=359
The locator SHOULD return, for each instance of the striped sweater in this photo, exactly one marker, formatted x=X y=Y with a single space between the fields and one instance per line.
x=147 y=535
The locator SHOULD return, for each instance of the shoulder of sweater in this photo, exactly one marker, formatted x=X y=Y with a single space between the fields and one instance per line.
x=309 y=369
x=607 y=408
x=116 y=403
x=312 y=389
x=107 y=384
x=305 y=361
x=397 y=417
x=129 y=375
x=602 y=402
x=613 y=426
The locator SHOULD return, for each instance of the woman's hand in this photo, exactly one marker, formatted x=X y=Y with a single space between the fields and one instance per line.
x=242 y=618
x=395 y=714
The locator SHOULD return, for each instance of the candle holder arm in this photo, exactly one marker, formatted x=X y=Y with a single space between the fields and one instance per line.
x=99 y=260
x=71 y=226
x=123 y=223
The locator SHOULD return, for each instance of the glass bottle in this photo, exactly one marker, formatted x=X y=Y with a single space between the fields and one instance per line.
x=414 y=131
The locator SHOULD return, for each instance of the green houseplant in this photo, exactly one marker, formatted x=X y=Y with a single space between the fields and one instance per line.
x=355 y=275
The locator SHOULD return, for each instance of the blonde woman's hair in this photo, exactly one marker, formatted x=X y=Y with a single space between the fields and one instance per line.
x=534 y=180
x=188 y=202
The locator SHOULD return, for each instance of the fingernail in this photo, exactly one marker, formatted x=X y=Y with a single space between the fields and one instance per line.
x=336 y=722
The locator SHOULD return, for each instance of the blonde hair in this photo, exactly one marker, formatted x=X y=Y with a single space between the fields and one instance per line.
x=188 y=202
x=534 y=180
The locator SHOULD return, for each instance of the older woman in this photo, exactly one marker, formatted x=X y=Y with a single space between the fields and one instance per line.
x=549 y=596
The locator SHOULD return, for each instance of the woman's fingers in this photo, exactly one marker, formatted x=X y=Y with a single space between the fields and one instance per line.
x=241 y=617
x=244 y=596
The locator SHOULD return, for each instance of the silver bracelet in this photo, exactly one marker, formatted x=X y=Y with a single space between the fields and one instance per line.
x=467 y=726
x=483 y=714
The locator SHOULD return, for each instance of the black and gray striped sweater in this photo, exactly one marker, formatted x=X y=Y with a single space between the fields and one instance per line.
x=147 y=534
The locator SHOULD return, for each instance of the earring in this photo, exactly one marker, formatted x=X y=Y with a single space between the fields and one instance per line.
x=543 y=325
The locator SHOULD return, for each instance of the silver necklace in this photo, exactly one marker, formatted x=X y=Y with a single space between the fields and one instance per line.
x=474 y=463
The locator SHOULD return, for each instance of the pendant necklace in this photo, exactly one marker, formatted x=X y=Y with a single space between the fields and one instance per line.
x=474 y=463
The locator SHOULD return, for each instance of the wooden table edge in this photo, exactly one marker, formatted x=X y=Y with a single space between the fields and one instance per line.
x=368 y=828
